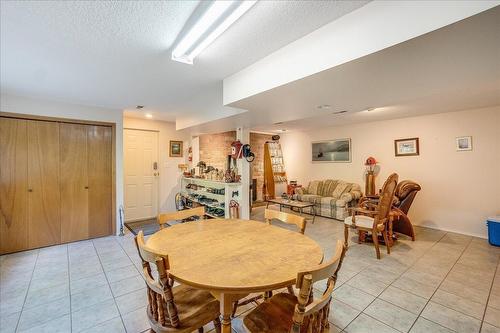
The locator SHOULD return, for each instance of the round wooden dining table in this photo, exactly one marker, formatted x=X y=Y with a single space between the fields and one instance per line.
x=232 y=258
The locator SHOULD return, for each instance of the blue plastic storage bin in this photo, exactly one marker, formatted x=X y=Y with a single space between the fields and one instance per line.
x=493 y=224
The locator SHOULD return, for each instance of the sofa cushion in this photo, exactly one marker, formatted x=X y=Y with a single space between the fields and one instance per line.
x=315 y=187
x=310 y=198
x=328 y=187
x=341 y=187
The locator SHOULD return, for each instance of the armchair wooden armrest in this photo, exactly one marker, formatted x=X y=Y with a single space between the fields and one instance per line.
x=364 y=211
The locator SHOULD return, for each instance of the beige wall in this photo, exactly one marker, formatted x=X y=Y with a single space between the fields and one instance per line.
x=169 y=172
x=459 y=189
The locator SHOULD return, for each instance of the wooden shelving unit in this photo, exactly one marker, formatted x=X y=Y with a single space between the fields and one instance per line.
x=275 y=179
x=232 y=191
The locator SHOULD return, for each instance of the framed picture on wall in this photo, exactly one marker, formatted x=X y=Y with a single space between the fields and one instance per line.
x=338 y=150
x=464 y=143
x=175 y=149
x=406 y=147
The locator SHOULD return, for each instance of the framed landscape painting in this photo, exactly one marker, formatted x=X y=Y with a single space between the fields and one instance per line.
x=175 y=149
x=406 y=147
x=338 y=150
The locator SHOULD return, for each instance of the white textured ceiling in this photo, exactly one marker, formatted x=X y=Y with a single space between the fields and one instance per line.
x=116 y=54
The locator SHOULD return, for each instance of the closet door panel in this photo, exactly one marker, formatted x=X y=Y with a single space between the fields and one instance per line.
x=13 y=185
x=100 y=181
x=44 y=223
x=74 y=182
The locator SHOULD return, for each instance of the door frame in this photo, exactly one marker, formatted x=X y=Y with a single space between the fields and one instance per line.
x=159 y=167
x=84 y=122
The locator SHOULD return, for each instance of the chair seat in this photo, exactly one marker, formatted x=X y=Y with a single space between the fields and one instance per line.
x=194 y=307
x=361 y=221
x=273 y=315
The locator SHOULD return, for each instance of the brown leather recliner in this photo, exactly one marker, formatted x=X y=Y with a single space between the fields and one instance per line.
x=405 y=194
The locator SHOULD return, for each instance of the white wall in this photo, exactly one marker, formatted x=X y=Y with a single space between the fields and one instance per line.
x=459 y=189
x=31 y=106
x=169 y=172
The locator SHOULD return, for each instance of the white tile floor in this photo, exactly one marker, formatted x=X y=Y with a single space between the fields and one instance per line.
x=443 y=282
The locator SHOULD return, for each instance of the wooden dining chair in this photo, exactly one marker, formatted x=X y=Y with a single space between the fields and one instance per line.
x=287 y=218
x=297 y=220
x=373 y=216
x=172 y=309
x=163 y=218
x=285 y=313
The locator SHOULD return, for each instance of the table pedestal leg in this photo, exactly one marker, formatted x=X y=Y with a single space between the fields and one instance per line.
x=226 y=308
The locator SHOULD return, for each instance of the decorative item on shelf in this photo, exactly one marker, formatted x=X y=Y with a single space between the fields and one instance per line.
x=338 y=150
x=406 y=147
x=234 y=209
x=190 y=154
x=175 y=148
x=183 y=167
x=201 y=167
x=464 y=143
x=370 y=166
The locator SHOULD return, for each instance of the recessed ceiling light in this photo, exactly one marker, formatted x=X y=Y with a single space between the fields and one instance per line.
x=324 y=106
x=278 y=123
x=282 y=130
x=149 y=115
x=138 y=107
x=218 y=17
x=370 y=109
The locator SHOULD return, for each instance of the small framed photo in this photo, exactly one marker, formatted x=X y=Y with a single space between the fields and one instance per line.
x=175 y=149
x=464 y=143
x=406 y=147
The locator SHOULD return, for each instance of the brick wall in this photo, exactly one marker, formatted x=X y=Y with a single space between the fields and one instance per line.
x=214 y=148
x=257 y=141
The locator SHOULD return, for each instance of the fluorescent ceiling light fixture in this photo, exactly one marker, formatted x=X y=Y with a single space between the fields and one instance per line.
x=218 y=17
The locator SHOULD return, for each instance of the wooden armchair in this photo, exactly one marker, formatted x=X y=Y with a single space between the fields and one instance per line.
x=403 y=198
x=285 y=313
x=163 y=218
x=373 y=216
x=287 y=218
x=179 y=309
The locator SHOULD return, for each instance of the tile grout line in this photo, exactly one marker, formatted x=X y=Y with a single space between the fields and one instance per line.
x=27 y=291
x=390 y=284
x=428 y=301
x=489 y=294
x=109 y=286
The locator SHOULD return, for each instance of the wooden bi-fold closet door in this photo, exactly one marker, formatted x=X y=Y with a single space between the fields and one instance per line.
x=44 y=221
x=29 y=184
x=74 y=182
x=99 y=146
x=86 y=185
x=55 y=182
x=13 y=185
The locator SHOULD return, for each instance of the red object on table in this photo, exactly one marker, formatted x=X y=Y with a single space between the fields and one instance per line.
x=290 y=189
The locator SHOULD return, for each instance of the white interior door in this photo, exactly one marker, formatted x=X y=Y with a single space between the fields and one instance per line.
x=141 y=172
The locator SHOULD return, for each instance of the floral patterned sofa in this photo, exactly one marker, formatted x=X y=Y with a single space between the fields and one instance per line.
x=331 y=197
